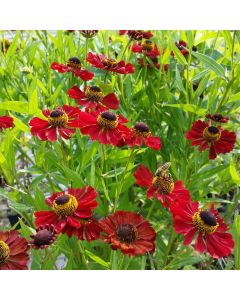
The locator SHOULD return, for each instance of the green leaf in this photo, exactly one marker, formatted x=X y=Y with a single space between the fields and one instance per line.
x=210 y=63
x=179 y=81
x=13 y=46
x=189 y=108
x=97 y=259
x=17 y=106
x=233 y=172
x=236 y=235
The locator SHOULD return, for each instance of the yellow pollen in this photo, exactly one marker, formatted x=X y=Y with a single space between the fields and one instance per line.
x=58 y=121
x=144 y=134
x=109 y=63
x=147 y=45
x=200 y=225
x=93 y=95
x=4 y=252
x=164 y=183
x=65 y=209
x=107 y=123
x=211 y=137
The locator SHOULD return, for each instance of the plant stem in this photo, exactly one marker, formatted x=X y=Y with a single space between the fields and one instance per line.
x=82 y=252
x=151 y=209
x=169 y=246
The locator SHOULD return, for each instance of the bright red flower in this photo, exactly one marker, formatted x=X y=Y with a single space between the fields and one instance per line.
x=73 y=65
x=70 y=210
x=93 y=98
x=162 y=185
x=103 y=126
x=13 y=251
x=217 y=118
x=63 y=120
x=210 y=229
x=129 y=232
x=109 y=64
x=6 y=122
x=137 y=34
x=140 y=134
x=44 y=237
x=216 y=138
x=147 y=47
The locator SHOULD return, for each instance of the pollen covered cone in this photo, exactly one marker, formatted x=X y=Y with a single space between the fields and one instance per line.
x=63 y=120
x=216 y=138
x=206 y=225
x=164 y=188
x=68 y=210
x=129 y=232
x=13 y=251
x=6 y=122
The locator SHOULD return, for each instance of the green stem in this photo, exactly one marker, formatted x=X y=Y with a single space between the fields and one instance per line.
x=169 y=246
x=82 y=252
x=151 y=209
x=105 y=77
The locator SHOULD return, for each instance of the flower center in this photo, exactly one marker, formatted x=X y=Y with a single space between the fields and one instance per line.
x=94 y=93
x=65 y=205
x=43 y=237
x=88 y=33
x=141 y=129
x=211 y=133
x=135 y=34
x=205 y=221
x=58 y=118
x=126 y=233
x=147 y=45
x=109 y=63
x=74 y=62
x=165 y=184
x=4 y=252
x=107 y=119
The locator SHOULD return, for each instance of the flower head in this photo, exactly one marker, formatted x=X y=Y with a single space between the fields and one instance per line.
x=206 y=136
x=217 y=118
x=137 y=34
x=210 y=229
x=109 y=64
x=129 y=232
x=93 y=98
x=161 y=184
x=103 y=126
x=6 y=122
x=147 y=47
x=13 y=251
x=69 y=210
x=88 y=33
x=73 y=65
x=63 y=120
x=44 y=237
x=5 y=44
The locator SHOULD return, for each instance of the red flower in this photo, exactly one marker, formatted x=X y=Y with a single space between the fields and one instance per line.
x=6 y=122
x=70 y=210
x=146 y=47
x=93 y=98
x=109 y=64
x=64 y=120
x=137 y=34
x=217 y=118
x=189 y=220
x=166 y=190
x=13 y=251
x=140 y=134
x=216 y=138
x=73 y=65
x=44 y=237
x=129 y=232
x=89 y=231
x=104 y=126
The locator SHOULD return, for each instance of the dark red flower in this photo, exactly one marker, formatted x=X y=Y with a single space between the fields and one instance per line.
x=44 y=237
x=216 y=138
x=137 y=34
x=210 y=229
x=103 y=126
x=181 y=45
x=63 y=120
x=70 y=210
x=147 y=47
x=88 y=33
x=129 y=232
x=90 y=230
x=109 y=64
x=93 y=98
x=217 y=118
x=73 y=65
x=13 y=251
x=162 y=185
x=140 y=134
x=6 y=122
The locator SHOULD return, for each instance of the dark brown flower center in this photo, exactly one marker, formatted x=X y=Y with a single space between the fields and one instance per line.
x=62 y=200
x=126 y=233
x=211 y=133
x=108 y=116
x=109 y=63
x=4 y=252
x=141 y=127
x=147 y=45
x=43 y=237
x=107 y=119
x=56 y=113
x=65 y=205
x=94 y=88
x=213 y=130
x=94 y=93
x=74 y=62
x=208 y=218
x=58 y=118
x=88 y=33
